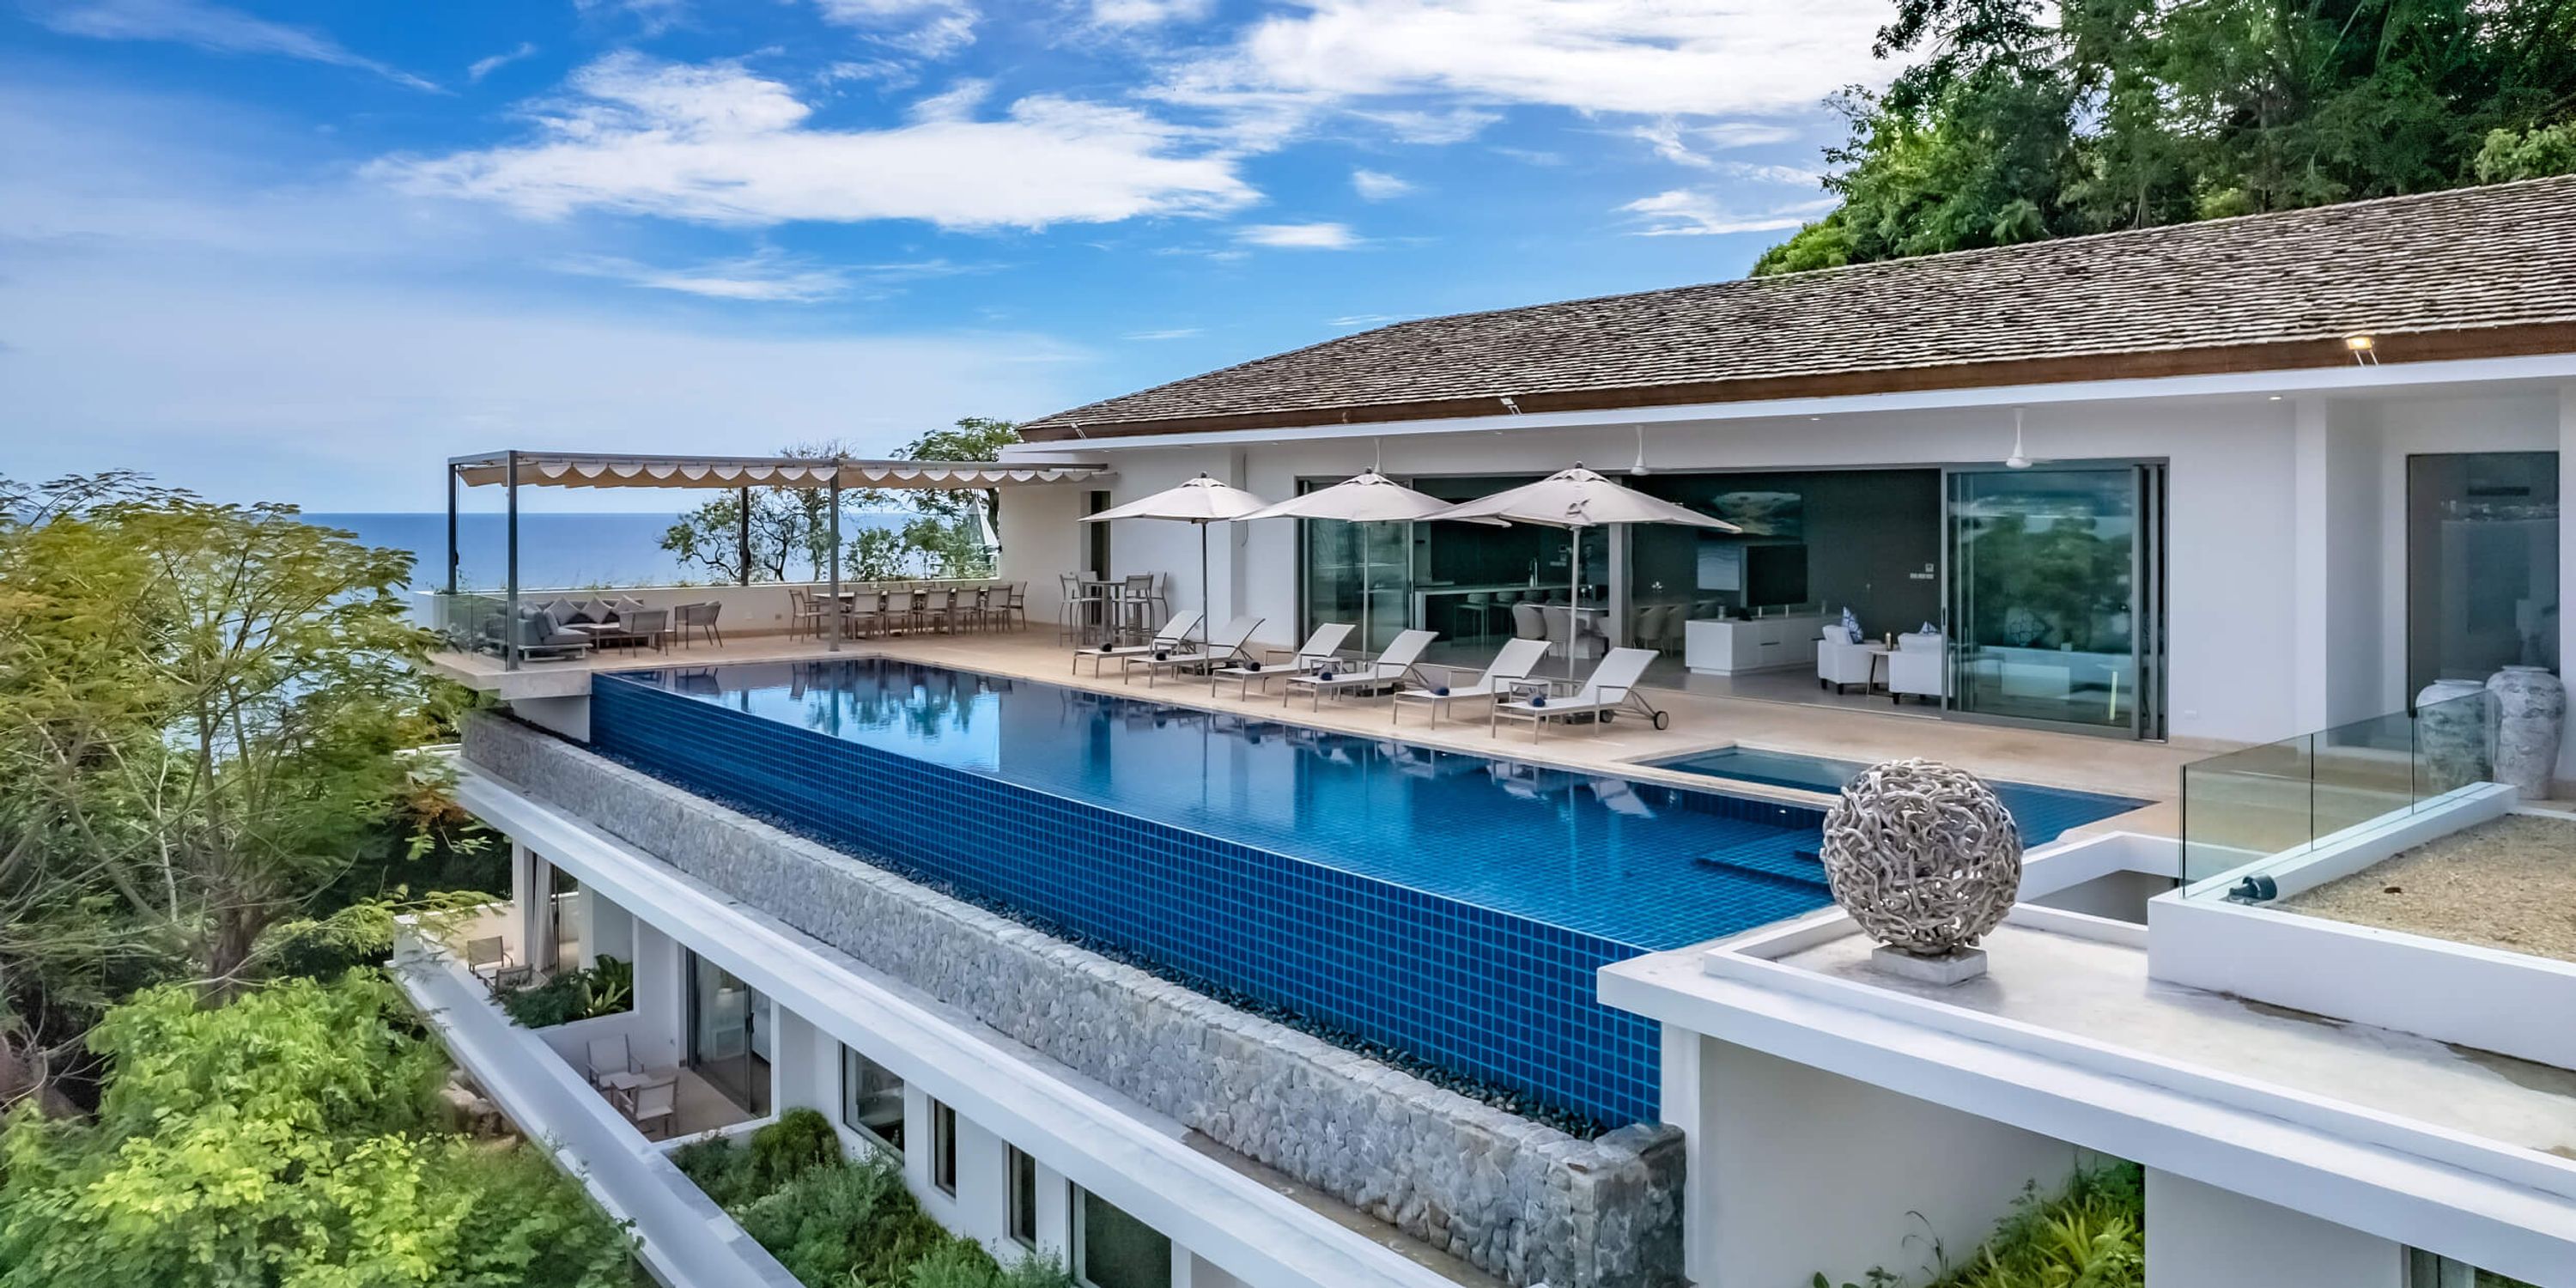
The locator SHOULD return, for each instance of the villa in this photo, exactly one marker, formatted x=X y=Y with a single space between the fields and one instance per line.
x=2196 y=543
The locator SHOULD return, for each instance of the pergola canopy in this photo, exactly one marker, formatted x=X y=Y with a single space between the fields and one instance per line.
x=607 y=469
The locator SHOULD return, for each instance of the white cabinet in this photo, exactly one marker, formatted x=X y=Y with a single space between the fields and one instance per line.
x=1756 y=644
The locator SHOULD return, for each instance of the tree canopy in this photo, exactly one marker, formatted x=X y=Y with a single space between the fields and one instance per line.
x=288 y=1138
x=2016 y=120
x=204 y=711
x=942 y=533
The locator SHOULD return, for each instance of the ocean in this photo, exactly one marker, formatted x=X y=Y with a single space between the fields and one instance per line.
x=556 y=551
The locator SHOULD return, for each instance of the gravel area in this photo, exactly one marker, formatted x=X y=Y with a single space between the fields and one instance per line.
x=2508 y=884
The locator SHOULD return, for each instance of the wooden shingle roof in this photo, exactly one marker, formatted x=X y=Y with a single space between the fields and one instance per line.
x=2472 y=272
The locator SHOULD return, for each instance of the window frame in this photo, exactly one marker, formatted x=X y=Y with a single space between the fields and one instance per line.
x=851 y=1060
x=1020 y=1203
x=1078 y=1251
x=943 y=1148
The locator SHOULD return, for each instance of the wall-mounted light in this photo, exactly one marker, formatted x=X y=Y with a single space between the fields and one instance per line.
x=1510 y=406
x=2365 y=351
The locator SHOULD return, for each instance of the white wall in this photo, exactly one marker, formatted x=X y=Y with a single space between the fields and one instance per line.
x=2199 y=1236
x=2286 y=574
x=1793 y=1170
x=2231 y=523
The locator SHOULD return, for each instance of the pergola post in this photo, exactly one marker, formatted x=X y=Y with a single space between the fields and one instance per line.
x=833 y=614
x=510 y=627
x=742 y=539
x=451 y=529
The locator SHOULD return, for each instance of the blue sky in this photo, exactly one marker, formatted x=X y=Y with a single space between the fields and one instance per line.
x=305 y=251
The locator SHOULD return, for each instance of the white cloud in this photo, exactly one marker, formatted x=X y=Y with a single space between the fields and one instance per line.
x=1693 y=212
x=1632 y=57
x=1681 y=142
x=1147 y=13
x=1169 y=333
x=884 y=71
x=652 y=17
x=931 y=29
x=486 y=66
x=209 y=27
x=715 y=143
x=329 y=344
x=766 y=278
x=956 y=103
x=1322 y=236
x=1371 y=319
x=1377 y=185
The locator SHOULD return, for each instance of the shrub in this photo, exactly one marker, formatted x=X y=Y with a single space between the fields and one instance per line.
x=831 y=1225
x=802 y=1139
x=607 y=988
x=2090 y=1235
x=1037 y=1270
x=715 y=1166
x=958 y=1263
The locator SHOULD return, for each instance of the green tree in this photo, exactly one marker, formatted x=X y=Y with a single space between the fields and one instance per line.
x=791 y=528
x=942 y=535
x=2007 y=126
x=203 y=715
x=285 y=1139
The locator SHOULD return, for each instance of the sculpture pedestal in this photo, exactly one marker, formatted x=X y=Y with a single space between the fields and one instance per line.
x=1957 y=967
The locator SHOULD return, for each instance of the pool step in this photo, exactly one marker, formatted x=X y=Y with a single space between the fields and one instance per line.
x=1764 y=857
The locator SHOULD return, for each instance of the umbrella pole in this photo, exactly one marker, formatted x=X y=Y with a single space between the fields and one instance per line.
x=1573 y=596
x=1368 y=588
x=1207 y=596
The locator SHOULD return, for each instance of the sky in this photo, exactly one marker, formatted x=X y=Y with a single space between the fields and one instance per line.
x=304 y=251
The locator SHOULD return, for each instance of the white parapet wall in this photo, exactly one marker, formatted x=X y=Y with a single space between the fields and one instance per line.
x=2452 y=992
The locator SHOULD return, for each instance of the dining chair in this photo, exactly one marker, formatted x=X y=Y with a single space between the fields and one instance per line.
x=1015 y=606
x=655 y=1102
x=804 y=613
x=608 y=1057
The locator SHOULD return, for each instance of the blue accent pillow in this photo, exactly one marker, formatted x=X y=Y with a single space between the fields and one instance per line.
x=1441 y=691
x=1538 y=699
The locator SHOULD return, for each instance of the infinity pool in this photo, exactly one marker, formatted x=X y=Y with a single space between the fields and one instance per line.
x=1450 y=906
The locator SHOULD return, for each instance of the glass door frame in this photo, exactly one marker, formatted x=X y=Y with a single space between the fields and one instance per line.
x=760 y=1094
x=2149 y=653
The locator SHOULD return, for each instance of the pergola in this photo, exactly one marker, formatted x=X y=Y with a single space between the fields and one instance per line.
x=517 y=469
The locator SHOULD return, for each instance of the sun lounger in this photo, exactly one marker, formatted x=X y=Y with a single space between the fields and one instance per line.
x=1173 y=638
x=1225 y=647
x=1317 y=652
x=1612 y=688
x=1514 y=663
x=1392 y=668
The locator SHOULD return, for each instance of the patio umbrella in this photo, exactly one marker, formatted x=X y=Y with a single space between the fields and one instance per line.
x=1576 y=499
x=1202 y=501
x=1367 y=497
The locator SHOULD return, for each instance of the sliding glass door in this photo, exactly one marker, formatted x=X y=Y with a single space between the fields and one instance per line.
x=2056 y=603
x=729 y=1035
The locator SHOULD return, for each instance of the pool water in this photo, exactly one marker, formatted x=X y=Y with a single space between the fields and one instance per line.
x=2042 y=813
x=1643 y=864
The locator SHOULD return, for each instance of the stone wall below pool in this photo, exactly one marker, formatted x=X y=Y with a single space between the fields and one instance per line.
x=1521 y=1200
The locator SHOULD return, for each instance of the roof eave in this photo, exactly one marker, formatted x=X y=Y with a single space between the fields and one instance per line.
x=2503 y=341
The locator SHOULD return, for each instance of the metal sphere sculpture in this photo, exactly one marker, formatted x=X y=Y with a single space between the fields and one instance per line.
x=1923 y=856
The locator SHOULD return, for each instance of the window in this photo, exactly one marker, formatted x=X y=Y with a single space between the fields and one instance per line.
x=2425 y=1270
x=871 y=1100
x=2481 y=564
x=1095 y=546
x=943 y=1148
x=1114 y=1250
x=1023 y=1214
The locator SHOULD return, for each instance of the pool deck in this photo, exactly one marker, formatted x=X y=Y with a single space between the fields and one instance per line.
x=1700 y=722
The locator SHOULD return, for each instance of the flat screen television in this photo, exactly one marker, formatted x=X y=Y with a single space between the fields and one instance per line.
x=1775 y=575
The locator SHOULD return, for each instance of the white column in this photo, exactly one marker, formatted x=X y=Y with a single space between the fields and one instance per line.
x=2310 y=664
x=2566 y=563
x=1685 y=1100
x=527 y=902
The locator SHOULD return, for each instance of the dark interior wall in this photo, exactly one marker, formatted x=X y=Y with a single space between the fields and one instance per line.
x=1873 y=540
